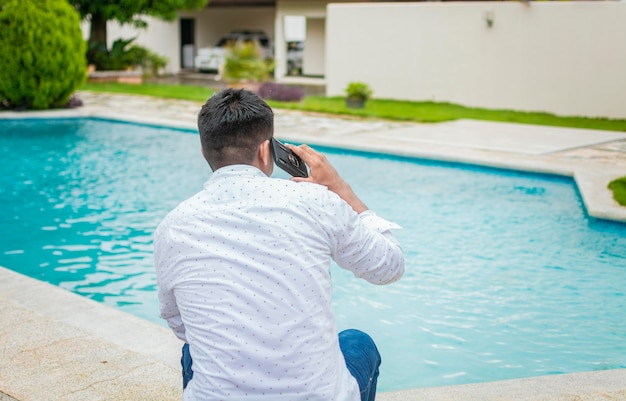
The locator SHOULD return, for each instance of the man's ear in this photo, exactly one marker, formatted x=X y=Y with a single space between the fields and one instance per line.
x=265 y=157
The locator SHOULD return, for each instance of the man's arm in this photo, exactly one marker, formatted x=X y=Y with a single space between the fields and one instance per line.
x=367 y=247
x=323 y=173
x=167 y=302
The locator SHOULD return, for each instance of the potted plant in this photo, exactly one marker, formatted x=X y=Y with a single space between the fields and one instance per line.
x=357 y=94
x=244 y=67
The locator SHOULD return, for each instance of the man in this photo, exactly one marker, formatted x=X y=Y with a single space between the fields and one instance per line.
x=243 y=268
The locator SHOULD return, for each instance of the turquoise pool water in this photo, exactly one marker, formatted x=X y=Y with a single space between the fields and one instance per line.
x=506 y=275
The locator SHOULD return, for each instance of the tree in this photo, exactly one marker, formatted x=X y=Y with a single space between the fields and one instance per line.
x=98 y=12
x=42 y=53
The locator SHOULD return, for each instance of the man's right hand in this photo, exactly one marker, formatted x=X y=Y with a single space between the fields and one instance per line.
x=323 y=173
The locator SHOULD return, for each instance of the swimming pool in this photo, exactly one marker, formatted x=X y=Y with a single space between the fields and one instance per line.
x=506 y=276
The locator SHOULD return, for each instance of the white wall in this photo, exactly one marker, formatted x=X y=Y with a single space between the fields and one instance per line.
x=160 y=36
x=314 y=59
x=311 y=10
x=567 y=58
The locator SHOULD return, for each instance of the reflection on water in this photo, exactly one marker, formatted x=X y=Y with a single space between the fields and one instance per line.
x=82 y=201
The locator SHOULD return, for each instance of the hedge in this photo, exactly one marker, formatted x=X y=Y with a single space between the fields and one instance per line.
x=42 y=53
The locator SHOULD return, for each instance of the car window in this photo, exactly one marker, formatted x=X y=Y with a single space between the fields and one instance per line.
x=246 y=37
x=221 y=43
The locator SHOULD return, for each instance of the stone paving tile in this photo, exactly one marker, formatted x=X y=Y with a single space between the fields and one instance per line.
x=182 y=110
x=315 y=124
x=69 y=364
x=6 y=397
x=613 y=152
x=608 y=385
x=288 y=122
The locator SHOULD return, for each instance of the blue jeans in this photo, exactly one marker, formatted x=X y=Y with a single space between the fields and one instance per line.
x=359 y=351
x=362 y=359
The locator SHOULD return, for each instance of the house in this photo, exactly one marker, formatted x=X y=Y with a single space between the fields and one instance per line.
x=181 y=39
x=561 y=57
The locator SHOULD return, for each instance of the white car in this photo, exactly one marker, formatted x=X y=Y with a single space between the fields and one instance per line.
x=211 y=59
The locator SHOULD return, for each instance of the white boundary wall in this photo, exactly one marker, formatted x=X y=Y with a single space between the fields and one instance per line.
x=567 y=58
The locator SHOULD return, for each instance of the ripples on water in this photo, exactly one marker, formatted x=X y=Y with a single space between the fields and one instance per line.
x=83 y=199
x=506 y=276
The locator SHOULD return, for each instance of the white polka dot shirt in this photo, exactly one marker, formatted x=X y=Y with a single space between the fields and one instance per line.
x=243 y=270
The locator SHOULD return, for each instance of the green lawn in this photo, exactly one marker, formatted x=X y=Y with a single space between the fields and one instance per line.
x=618 y=186
x=375 y=108
x=184 y=92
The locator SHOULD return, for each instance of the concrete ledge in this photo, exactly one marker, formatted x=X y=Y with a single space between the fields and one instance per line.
x=6 y=397
x=91 y=317
x=588 y=386
x=597 y=197
x=56 y=345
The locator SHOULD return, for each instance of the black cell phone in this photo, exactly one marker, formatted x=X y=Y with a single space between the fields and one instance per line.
x=287 y=160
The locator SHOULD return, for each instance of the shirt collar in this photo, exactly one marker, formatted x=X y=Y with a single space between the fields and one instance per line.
x=235 y=170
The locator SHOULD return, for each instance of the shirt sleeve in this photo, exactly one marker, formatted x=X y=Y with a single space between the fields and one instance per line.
x=366 y=246
x=167 y=301
x=371 y=220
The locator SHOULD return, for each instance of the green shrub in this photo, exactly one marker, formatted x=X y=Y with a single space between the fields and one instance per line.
x=359 y=90
x=243 y=64
x=123 y=56
x=618 y=186
x=149 y=61
x=357 y=94
x=42 y=53
x=118 y=58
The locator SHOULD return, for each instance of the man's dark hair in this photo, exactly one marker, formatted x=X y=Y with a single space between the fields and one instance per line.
x=232 y=124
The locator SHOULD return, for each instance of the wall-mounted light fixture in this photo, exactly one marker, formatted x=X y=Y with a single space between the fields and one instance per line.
x=489 y=17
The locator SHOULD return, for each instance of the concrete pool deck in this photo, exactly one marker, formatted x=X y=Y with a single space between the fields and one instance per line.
x=55 y=345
